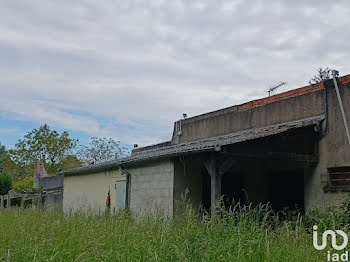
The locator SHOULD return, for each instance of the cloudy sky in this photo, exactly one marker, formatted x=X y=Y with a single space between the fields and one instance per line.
x=129 y=69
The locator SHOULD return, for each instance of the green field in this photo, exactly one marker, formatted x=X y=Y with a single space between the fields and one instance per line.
x=244 y=234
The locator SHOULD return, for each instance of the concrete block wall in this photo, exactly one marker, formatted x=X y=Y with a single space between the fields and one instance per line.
x=151 y=188
x=51 y=182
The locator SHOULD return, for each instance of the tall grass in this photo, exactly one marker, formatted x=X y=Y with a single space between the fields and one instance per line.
x=243 y=233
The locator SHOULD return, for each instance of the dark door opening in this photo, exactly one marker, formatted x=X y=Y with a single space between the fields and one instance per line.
x=232 y=189
x=286 y=190
x=206 y=190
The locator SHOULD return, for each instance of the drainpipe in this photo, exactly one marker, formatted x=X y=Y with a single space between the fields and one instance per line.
x=128 y=179
x=335 y=73
x=325 y=98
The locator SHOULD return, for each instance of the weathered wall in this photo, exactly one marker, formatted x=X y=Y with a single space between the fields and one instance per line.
x=41 y=178
x=188 y=175
x=151 y=189
x=50 y=182
x=233 y=119
x=334 y=151
x=89 y=191
x=54 y=201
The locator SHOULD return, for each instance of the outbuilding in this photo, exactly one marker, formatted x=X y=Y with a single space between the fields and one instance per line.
x=289 y=149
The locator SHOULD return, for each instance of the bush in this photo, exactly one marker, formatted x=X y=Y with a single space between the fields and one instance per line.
x=5 y=183
x=24 y=184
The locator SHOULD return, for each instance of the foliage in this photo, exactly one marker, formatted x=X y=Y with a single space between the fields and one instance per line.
x=2 y=155
x=70 y=162
x=5 y=183
x=101 y=149
x=26 y=183
x=42 y=143
x=322 y=75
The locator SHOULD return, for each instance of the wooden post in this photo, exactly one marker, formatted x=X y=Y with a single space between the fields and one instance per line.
x=215 y=185
x=40 y=200
x=8 y=204
x=215 y=182
x=23 y=199
x=1 y=202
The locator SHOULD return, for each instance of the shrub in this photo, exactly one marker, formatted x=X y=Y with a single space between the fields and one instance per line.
x=24 y=184
x=5 y=183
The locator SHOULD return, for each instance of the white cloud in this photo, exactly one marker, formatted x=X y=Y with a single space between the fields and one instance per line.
x=129 y=69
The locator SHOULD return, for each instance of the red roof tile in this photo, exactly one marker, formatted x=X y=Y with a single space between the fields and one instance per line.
x=288 y=94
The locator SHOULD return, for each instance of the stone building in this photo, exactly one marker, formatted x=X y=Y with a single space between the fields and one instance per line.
x=49 y=183
x=288 y=149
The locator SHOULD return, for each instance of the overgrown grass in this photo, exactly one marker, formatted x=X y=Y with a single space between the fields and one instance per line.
x=242 y=234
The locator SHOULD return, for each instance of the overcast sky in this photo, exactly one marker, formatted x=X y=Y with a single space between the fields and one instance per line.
x=129 y=69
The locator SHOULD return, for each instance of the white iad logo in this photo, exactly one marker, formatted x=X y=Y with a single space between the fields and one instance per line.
x=333 y=237
x=333 y=234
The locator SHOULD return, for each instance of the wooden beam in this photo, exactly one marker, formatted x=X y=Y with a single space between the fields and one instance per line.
x=1 y=201
x=225 y=165
x=309 y=158
x=215 y=182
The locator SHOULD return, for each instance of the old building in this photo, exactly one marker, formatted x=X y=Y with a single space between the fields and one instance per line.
x=52 y=184
x=289 y=149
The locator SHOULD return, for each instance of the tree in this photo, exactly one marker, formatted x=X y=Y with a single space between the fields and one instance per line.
x=26 y=183
x=2 y=155
x=45 y=144
x=5 y=183
x=101 y=149
x=322 y=75
x=70 y=162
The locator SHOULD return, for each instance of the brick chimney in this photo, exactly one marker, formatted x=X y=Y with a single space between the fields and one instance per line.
x=39 y=171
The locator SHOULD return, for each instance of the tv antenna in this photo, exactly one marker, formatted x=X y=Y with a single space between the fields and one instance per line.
x=276 y=86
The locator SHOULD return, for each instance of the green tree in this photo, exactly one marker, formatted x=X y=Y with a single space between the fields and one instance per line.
x=322 y=75
x=26 y=183
x=45 y=144
x=2 y=155
x=101 y=149
x=15 y=170
x=70 y=162
x=5 y=183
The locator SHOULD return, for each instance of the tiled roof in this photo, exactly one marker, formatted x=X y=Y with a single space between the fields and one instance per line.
x=288 y=94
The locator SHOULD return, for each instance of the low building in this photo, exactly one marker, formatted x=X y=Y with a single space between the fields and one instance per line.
x=52 y=185
x=289 y=149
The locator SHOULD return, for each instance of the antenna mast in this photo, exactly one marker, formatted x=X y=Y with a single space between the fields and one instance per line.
x=275 y=87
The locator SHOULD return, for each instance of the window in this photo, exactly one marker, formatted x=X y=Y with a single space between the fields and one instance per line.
x=339 y=179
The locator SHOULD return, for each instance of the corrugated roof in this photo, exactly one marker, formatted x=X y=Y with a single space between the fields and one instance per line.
x=208 y=144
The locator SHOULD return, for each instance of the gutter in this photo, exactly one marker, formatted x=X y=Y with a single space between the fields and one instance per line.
x=325 y=96
x=335 y=73
x=128 y=184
